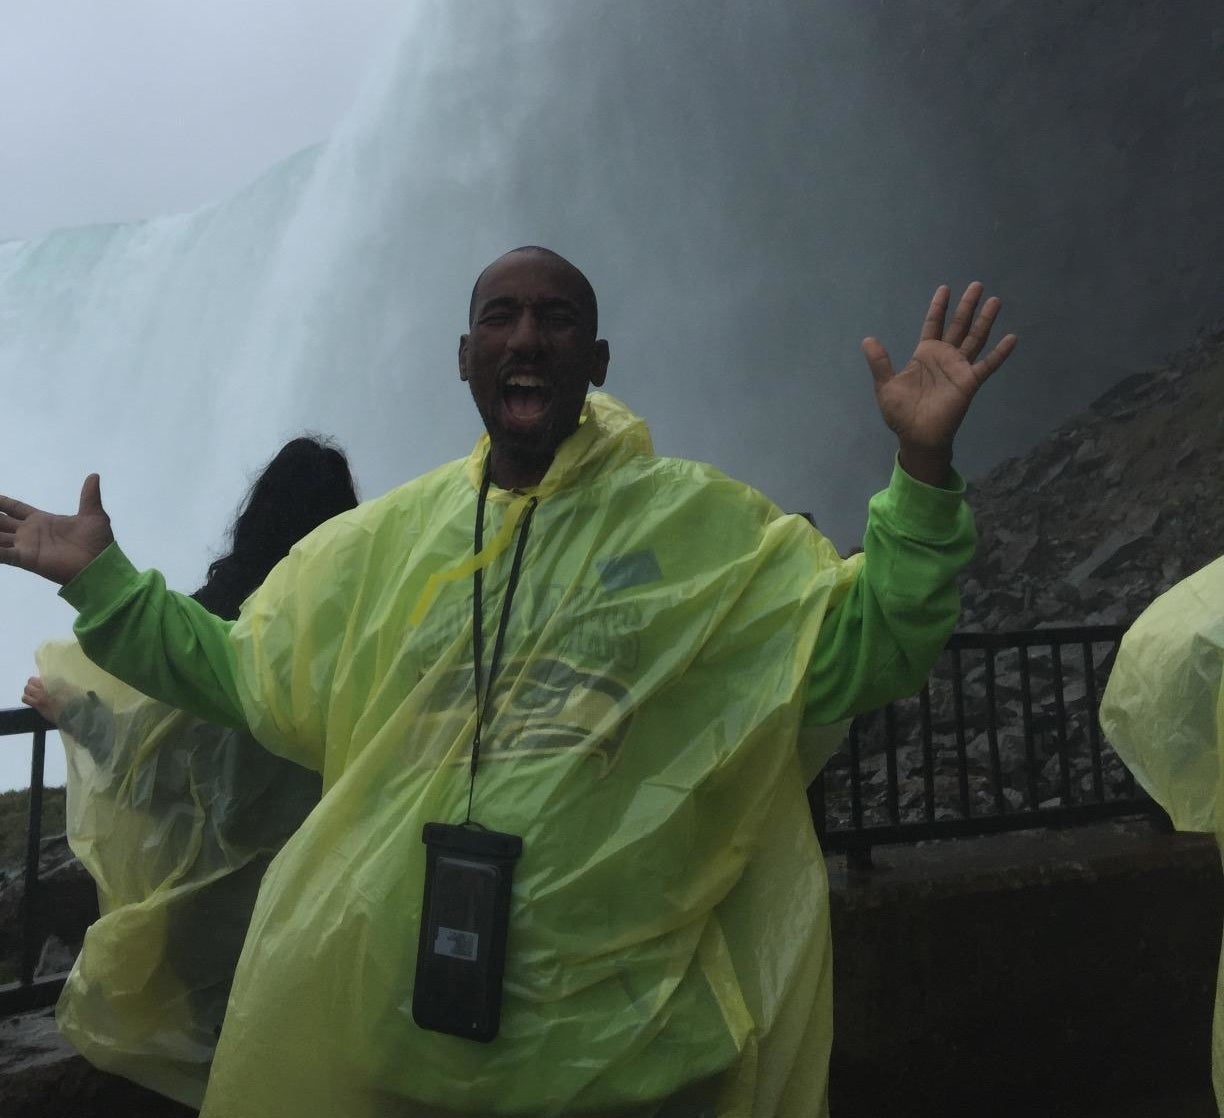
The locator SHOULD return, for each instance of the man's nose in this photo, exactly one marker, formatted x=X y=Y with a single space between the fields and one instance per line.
x=526 y=336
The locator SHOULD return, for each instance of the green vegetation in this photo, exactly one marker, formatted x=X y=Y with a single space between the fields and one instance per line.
x=14 y=808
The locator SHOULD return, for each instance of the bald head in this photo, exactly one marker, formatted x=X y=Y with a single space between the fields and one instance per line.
x=586 y=292
x=529 y=357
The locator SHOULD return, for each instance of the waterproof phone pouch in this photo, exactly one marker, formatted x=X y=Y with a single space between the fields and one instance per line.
x=465 y=916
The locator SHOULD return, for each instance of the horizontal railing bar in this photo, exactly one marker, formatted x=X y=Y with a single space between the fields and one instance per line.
x=839 y=840
x=42 y=992
x=1027 y=638
x=22 y=720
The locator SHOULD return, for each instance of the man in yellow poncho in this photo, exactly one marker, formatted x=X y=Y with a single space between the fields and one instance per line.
x=1163 y=711
x=640 y=646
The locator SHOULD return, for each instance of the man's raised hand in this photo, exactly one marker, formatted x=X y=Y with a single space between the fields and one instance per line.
x=926 y=401
x=56 y=547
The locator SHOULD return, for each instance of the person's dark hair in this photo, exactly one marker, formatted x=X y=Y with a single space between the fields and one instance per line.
x=588 y=292
x=307 y=483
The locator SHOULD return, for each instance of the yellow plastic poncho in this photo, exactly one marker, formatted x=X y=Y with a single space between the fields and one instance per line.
x=669 y=942
x=1163 y=711
x=176 y=820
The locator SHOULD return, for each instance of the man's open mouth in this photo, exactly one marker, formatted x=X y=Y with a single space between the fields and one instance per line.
x=526 y=396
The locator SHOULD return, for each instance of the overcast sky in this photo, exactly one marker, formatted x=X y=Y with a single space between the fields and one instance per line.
x=124 y=110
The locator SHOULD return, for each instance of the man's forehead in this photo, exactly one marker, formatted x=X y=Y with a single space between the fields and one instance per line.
x=530 y=277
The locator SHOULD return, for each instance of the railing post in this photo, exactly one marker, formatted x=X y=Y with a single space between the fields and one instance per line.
x=958 y=706
x=928 y=754
x=816 y=802
x=992 y=733
x=892 y=785
x=856 y=780
x=29 y=948
x=1060 y=726
x=1094 y=731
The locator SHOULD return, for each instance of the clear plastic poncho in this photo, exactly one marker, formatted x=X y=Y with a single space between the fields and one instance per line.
x=176 y=820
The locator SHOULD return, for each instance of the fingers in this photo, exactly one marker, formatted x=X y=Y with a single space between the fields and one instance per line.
x=995 y=357
x=967 y=330
x=35 y=695
x=8 y=536
x=877 y=361
x=962 y=317
x=972 y=345
x=18 y=510
x=91 y=496
x=932 y=325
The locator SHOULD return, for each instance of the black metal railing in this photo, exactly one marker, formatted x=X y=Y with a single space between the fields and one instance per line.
x=1003 y=736
x=29 y=992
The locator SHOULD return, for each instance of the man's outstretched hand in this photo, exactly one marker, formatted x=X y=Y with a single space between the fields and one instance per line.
x=926 y=401
x=56 y=547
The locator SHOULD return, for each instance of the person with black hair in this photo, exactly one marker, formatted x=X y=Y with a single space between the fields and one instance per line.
x=175 y=818
x=306 y=483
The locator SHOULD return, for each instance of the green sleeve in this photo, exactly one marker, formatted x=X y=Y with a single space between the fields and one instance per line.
x=164 y=644
x=880 y=641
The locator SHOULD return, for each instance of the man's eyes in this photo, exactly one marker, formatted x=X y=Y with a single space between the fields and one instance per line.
x=558 y=318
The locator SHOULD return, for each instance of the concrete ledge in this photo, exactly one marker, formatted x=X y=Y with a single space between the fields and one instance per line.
x=41 y=1076
x=1037 y=973
x=1043 y=974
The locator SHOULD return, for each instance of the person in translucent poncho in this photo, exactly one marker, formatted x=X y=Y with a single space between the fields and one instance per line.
x=1163 y=711
x=630 y=663
x=177 y=818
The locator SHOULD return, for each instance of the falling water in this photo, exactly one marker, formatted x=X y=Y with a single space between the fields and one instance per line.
x=751 y=188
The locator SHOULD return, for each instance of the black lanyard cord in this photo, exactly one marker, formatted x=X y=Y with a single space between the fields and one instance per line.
x=482 y=706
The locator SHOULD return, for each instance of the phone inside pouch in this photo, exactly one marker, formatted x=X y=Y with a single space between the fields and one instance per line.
x=465 y=915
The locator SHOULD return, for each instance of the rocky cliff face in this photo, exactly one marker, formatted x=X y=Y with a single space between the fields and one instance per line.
x=1110 y=509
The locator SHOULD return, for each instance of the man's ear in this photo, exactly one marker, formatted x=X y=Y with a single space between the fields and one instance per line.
x=463 y=344
x=602 y=356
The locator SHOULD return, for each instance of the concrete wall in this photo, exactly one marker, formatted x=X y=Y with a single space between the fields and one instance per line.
x=1043 y=973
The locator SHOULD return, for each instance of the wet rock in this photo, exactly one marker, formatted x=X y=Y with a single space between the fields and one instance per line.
x=56 y=957
x=30 y=1040
x=1119 y=502
x=1088 y=454
x=1185 y=457
x=65 y=905
x=1109 y=556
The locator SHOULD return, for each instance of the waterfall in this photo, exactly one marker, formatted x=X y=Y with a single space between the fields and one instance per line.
x=751 y=189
